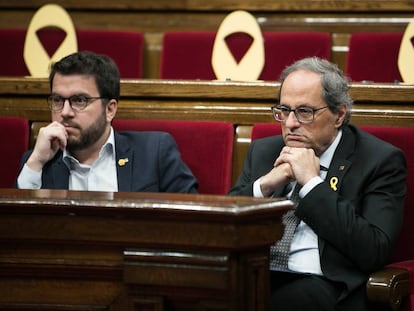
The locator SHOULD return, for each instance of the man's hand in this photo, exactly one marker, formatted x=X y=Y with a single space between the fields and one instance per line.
x=49 y=140
x=303 y=162
x=279 y=176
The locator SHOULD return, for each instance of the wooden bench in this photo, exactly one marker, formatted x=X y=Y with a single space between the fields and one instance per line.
x=242 y=104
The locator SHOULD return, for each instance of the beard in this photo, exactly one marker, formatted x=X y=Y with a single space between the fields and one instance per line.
x=88 y=136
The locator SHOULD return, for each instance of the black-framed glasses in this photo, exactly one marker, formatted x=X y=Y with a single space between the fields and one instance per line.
x=303 y=114
x=76 y=102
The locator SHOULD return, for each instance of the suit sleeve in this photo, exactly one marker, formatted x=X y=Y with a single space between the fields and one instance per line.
x=360 y=223
x=244 y=184
x=175 y=175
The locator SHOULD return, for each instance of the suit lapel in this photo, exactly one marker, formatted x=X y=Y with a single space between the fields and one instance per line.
x=341 y=160
x=124 y=158
x=340 y=164
x=336 y=172
x=60 y=173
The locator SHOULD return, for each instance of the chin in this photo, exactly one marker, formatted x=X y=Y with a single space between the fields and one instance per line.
x=295 y=143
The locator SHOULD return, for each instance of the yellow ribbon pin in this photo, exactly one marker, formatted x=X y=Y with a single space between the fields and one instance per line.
x=334 y=182
x=122 y=162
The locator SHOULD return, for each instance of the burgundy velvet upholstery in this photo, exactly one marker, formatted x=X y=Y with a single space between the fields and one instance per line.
x=187 y=55
x=11 y=53
x=14 y=140
x=374 y=57
x=401 y=137
x=261 y=130
x=404 y=254
x=206 y=147
x=125 y=48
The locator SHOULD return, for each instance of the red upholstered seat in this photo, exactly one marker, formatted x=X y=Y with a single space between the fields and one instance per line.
x=261 y=130
x=11 y=55
x=125 y=48
x=187 y=55
x=401 y=137
x=14 y=141
x=284 y=48
x=205 y=146
x=374 y=57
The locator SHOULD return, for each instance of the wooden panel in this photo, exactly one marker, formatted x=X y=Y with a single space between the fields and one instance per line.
x=224 y=5
x=241 y=103
x=76 y=250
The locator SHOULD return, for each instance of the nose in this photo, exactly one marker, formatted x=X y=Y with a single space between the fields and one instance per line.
x=67 y=108
x=292 y=121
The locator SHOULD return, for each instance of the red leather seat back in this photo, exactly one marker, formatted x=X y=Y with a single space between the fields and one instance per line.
x=14 y=140
x=206 y=147
x=187 y=55
x=125 y=48
x=374 y=57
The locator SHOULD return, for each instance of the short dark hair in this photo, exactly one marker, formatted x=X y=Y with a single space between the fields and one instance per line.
x=101 y=67
x=335 y=85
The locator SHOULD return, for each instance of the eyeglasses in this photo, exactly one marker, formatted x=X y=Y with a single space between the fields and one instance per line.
x=303 y=114
x=76 y=102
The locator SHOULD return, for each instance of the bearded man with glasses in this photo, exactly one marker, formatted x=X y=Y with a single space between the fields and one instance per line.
x=80 y=150
x=349 y=188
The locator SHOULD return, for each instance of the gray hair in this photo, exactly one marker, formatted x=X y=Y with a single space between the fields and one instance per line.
x=335 y=85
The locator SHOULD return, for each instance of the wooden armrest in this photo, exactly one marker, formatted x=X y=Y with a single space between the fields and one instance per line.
x=388 y=287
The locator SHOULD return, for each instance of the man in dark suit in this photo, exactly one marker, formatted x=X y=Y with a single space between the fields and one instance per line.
x=351 y=192
x=80 y=150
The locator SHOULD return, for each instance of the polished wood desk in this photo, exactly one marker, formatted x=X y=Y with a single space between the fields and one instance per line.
x=73 y=250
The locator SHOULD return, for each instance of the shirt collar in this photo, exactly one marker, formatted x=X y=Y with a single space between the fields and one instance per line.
x=108 y=148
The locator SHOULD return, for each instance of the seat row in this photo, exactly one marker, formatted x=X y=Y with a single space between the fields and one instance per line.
x=207 y=148
x=187 y=55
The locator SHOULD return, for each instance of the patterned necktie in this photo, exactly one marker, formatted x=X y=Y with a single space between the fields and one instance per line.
x=279 y=253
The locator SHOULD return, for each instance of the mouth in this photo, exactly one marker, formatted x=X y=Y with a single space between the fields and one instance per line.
x=70 y=127
x=294 y=139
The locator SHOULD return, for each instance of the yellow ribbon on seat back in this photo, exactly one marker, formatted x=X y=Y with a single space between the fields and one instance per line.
x=35 y=55
x=406 y=55
x=251 y=65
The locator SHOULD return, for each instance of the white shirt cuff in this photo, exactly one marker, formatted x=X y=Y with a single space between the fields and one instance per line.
x=257 y=192
x=309 y=186
x=29 y=179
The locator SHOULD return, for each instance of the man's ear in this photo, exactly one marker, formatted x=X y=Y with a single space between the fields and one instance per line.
x=341 y=116
x=111 y=108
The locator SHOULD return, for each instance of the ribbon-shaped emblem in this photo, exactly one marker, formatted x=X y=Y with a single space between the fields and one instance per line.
x=35 y=55
x=122 y=162
x=333 y=182
x=406 y=55
x=251 y=65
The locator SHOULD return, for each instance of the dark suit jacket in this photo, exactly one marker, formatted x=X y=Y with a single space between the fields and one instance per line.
x=359 y=222
x=154 y=165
